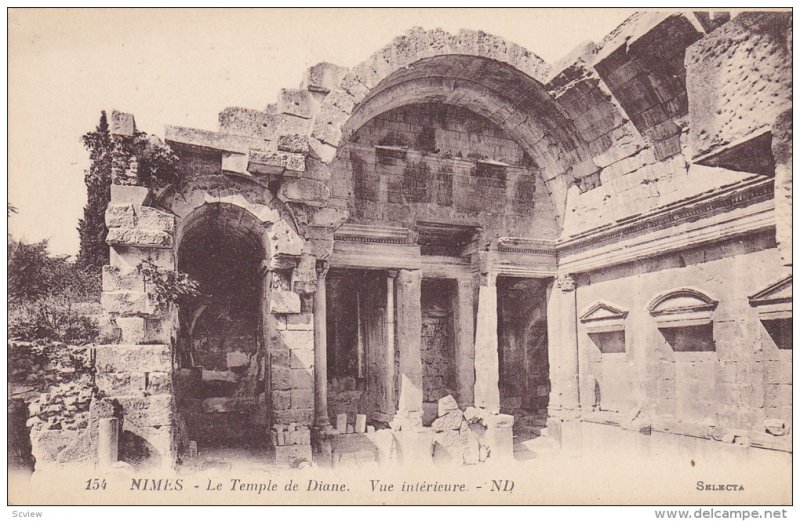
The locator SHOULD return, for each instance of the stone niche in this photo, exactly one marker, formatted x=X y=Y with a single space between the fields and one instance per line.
x=688 y=356
x=606 y=387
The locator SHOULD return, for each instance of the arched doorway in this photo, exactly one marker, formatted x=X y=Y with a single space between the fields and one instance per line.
x=221 y=349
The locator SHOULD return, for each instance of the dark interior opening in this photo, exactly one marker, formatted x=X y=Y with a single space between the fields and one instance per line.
x=222 y=378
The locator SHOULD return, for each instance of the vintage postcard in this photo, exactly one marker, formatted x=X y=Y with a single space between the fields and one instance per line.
x=400 y=256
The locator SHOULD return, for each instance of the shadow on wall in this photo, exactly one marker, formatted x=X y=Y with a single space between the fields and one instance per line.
x=137 y=452
x=690 y=339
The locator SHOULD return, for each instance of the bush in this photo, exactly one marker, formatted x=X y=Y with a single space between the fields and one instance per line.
x=50 y=319
x=41 y=291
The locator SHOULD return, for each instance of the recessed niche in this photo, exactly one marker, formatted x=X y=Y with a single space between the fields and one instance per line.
x=690 y=339
x=780 y=330
x=774 y=307
x=609 y=342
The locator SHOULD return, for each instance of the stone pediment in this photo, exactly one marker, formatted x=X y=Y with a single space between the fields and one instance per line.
x=682 y=307
x=602 y=317
x=774 y=301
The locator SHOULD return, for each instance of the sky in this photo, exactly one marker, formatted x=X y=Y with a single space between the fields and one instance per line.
x=182 y=67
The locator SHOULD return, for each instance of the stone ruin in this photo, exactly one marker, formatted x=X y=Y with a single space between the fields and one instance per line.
x=457 y=245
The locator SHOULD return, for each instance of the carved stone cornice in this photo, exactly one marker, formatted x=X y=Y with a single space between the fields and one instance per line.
x=690 y=209
x=741 y=208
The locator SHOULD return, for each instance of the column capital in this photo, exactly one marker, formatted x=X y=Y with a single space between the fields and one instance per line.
x=566 y=282
x=488 y=279
x=408 y=275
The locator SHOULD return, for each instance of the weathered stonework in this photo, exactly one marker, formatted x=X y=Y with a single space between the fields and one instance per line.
x=547 y=206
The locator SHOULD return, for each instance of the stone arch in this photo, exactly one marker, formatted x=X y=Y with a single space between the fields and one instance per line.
x=488 y=75
x=268 y=219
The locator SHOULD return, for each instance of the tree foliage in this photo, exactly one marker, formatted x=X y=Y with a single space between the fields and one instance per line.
x=92 y=229
x=42 y=290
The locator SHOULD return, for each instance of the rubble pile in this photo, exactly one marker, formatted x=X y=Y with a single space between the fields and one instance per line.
x=64 y=407
x=459 y=436
x=40 y=365
x=54 y=380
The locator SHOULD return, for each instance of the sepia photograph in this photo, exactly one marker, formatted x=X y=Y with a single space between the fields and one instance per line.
x=400 y=257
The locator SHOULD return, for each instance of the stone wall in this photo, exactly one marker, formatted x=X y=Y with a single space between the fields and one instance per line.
x=438 y=345
x=730 y=375
x=440 y=163
x=522 y=338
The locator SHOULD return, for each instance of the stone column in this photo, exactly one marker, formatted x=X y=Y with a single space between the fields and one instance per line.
x=388 y=405
x=107 y=442
x=321 y=420
x=487 y=364
x=568 y=318
x=465 y=341
x=564 y=407
x=409 y=339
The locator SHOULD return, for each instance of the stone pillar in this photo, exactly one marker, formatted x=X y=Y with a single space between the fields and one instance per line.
x=487 y=364
x=388 y=405
x=568 y=318
x=409 y=339
x=564 y=408
x=321 y=420
x=465 y=341
x=782 y=153
x=107 y=442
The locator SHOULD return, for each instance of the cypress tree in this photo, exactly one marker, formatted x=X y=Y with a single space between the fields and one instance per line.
x=92 y=229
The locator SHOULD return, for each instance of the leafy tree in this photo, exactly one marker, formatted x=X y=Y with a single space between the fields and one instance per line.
x=42 y=290
x=92 y=229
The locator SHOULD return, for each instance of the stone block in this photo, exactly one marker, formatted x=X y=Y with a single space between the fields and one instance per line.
x=275 y=163
x=122 y=124
x=127 y=303
x=115 y=279
x=133 y=358
x=300 y=322
x=450 y=421
x=141 y=330
x=302 y=358
x=302 y=379
x=726 y=110
x=150 y=411
x=775 y=426
x=294 y=339
x=301 y=416
x=292 y=455
x=236 y=163
x=296 y=102
x=446 y=404
x=154 y=219
x=139 y=237
x=361 y=423
x=127 y=258
x=322 y=77
x=281 y=377
x=123 y=194
x=307 y=191
x=237 y=359
x=329 y=217
x=282 y=301
x=113 y=384
x=281 y=400
x=296 y=143
x=449 y=447
x=302 y=398
x=283 y=240
x=120 y=216
x=341 y=422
